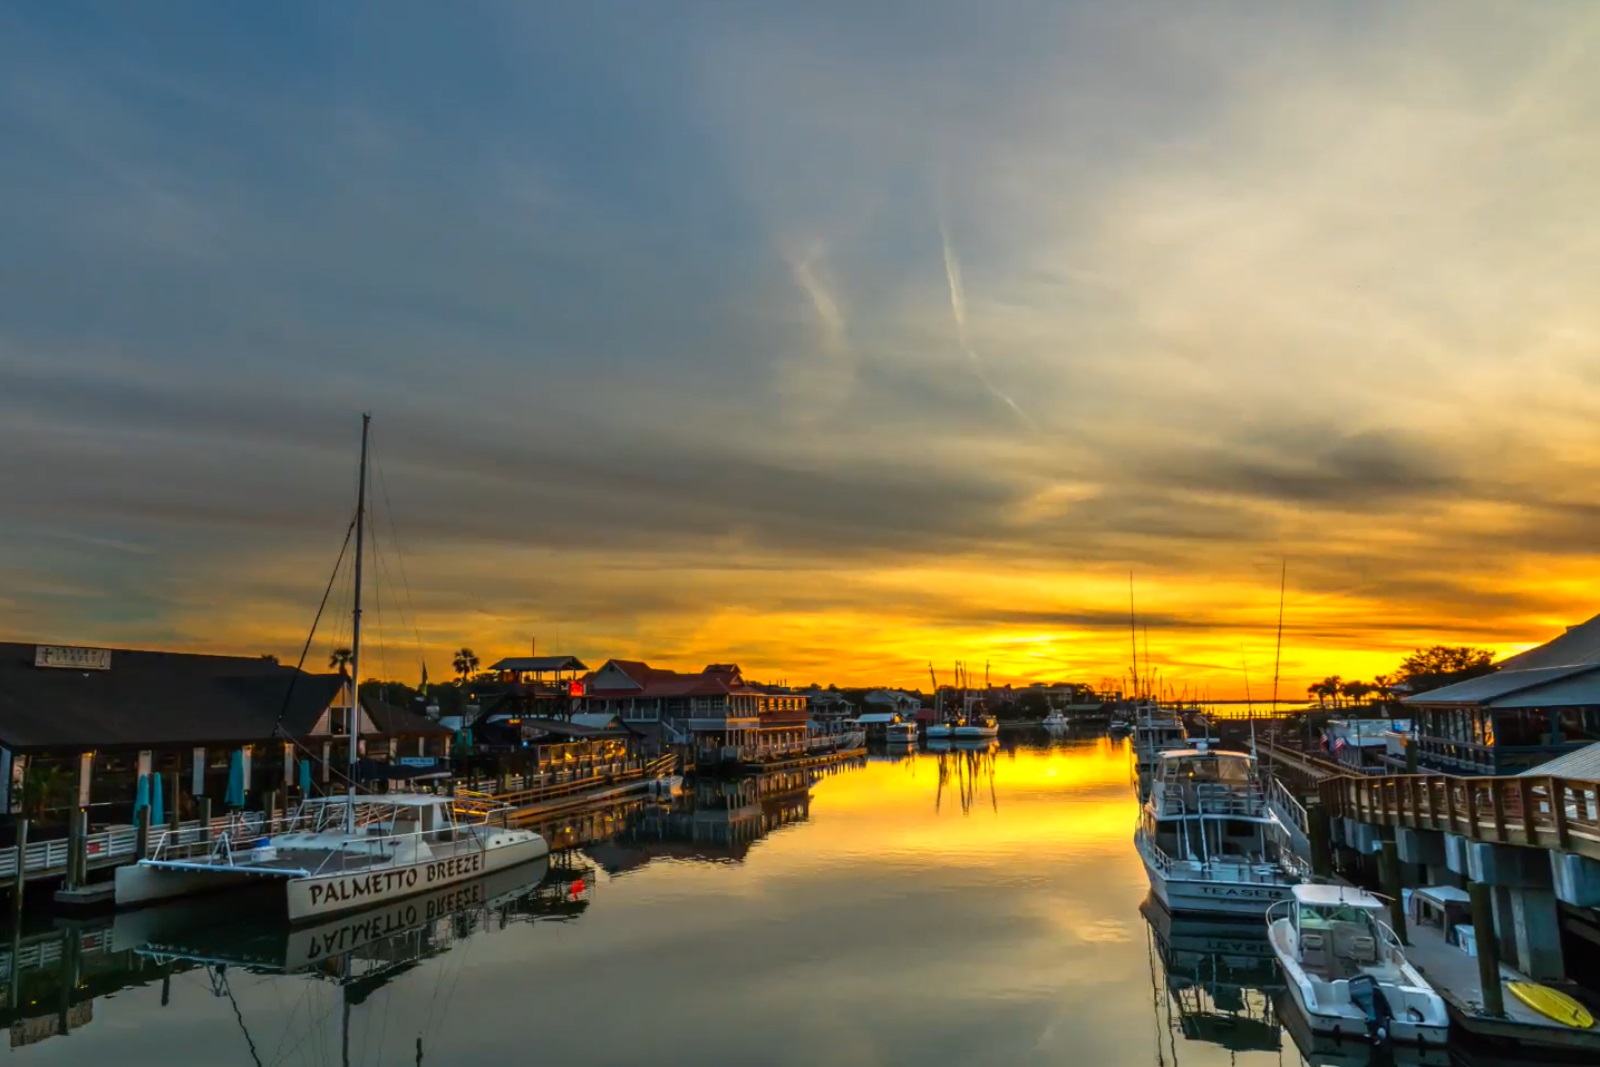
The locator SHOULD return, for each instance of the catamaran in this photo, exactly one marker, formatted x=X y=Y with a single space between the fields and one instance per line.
x=1208 y=842
x=1347 y=971
x=336 y=853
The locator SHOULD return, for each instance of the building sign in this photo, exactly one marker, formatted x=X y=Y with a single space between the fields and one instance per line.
x=73 y=659
x=418 y=761
x=574 y=689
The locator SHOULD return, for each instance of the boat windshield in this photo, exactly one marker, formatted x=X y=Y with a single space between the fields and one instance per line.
x=1313 y=916
x=1229 y=770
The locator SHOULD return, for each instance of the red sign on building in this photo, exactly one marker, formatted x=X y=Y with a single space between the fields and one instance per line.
x=574 y=689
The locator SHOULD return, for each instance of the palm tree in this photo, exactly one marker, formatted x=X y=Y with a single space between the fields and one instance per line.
x=1383 y=685
x=465 y=663
x=1330 y=686
x=1315 y=690
x=340 y=659
x=1356 y=690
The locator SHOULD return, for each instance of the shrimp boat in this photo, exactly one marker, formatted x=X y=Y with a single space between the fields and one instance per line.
x=336 y=854
x=975 y=727
x=1346 y=970
x=1209 y=843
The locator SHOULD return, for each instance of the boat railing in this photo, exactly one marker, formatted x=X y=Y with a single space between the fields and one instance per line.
x=1288 y=803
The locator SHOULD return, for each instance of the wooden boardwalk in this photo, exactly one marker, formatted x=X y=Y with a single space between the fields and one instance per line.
x=1552 y=813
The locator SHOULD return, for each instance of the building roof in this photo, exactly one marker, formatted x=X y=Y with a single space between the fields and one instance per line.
x=874 y=718
x=1534 y=687
x=1580 y=644
x=155 y=698
x=1583 y=763
x=392 y=721
x=655 y=682
x=599 y=720
x=539 y=664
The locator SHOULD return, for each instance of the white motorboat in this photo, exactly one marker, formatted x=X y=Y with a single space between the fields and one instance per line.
x=1207 y=839
x=337 y=854
x=1055 y=721
x=1347 y=971
x=941 y=731
x=900 y=733
x=976 y=726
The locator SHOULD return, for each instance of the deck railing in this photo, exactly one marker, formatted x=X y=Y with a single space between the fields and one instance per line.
x=115 y=845
x=1542 y=812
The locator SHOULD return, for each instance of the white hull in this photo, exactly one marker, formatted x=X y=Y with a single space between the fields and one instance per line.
x=319 y=897
x=327 y=895
x=970 y=732
x=1184 y=891
x=1348 y=1020
x=940 y=730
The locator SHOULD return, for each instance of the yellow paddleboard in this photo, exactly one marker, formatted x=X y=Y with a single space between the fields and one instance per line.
x=1552 y=1003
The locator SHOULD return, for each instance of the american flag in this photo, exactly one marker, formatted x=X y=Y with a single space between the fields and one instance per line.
x=1338 y=745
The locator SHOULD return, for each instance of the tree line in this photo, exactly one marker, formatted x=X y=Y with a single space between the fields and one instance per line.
x=1423 y=670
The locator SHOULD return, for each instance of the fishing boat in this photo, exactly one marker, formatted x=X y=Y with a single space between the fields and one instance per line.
x=976 y=726
x=1055 y=721
x=339 y=853
x=1347 y=971
x=1208 y=842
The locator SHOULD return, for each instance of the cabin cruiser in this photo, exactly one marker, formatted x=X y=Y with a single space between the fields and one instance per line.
x=1208 y=841
x=1346 y=969
x=1055 y=721
x=336 y=854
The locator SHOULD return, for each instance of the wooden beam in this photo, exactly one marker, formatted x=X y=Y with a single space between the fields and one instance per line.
x=1497 y=796
x=1558 y=809
x=1525 y=794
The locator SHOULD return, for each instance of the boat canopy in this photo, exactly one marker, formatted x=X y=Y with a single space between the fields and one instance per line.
x=1327 y=896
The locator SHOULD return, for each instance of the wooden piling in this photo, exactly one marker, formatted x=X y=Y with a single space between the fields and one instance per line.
x=1482 y=898
x=141 y=823
x=76 y=861
x=1319 y=833
x=176 y=818
x=1389 y=873
x=19 y=884
x=205 y=818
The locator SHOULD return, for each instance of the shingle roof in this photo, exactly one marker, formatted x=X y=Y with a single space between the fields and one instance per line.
x=391 y=720
x=658 y=682
x=1581 y=763
x=1499 y=685
x=539 y=663
x=155 y=698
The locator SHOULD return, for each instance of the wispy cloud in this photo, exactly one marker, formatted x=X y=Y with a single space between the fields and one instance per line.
x=958 y=314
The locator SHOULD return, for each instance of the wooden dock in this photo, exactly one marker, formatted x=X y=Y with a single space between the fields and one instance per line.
x=1550 y=813
x=1454 y=976
x=537 y=795
x=799 y=762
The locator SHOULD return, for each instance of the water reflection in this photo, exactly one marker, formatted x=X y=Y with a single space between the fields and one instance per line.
x=965 y=770
x=793 y=919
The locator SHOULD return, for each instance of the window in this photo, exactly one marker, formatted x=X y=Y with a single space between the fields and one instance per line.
x=1579 y=724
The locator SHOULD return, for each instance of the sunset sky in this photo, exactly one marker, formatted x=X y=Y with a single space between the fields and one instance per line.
x=827 y=338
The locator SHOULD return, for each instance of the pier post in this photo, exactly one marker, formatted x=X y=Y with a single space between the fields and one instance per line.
x=141 y=837
x=176 y=818
x=1389 y=874
x=1482 y=898
x=204 y=806
x=20 y=884
x=1318 y=833
x=75 y=857
x=1411 y=755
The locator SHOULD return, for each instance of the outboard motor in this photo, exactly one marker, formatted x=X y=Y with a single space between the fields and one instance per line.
x=1365 y=994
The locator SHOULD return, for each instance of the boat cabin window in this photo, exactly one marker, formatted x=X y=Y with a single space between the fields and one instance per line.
x=1228 y=771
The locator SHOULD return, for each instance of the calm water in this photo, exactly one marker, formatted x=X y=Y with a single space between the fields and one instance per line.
x=938 y=909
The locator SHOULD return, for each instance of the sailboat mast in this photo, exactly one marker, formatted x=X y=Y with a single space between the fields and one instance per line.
x=1133 y=636
x=355 y=627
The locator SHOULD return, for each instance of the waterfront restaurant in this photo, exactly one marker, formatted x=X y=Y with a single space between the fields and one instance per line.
x=714 y=713
x=1506 y=722
x=80 y=726
x=1540 y=704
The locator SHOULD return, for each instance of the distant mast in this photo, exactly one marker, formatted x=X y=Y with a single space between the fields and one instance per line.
x=355 y=629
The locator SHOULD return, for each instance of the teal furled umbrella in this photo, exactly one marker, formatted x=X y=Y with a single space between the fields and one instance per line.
x=235 y=795
x=305 y=777
x=158 y=806
x=141 y=795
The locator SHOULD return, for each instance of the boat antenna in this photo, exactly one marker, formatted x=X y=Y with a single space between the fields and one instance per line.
x=355 y=628
x=1133 y=636
x=1277 y=656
